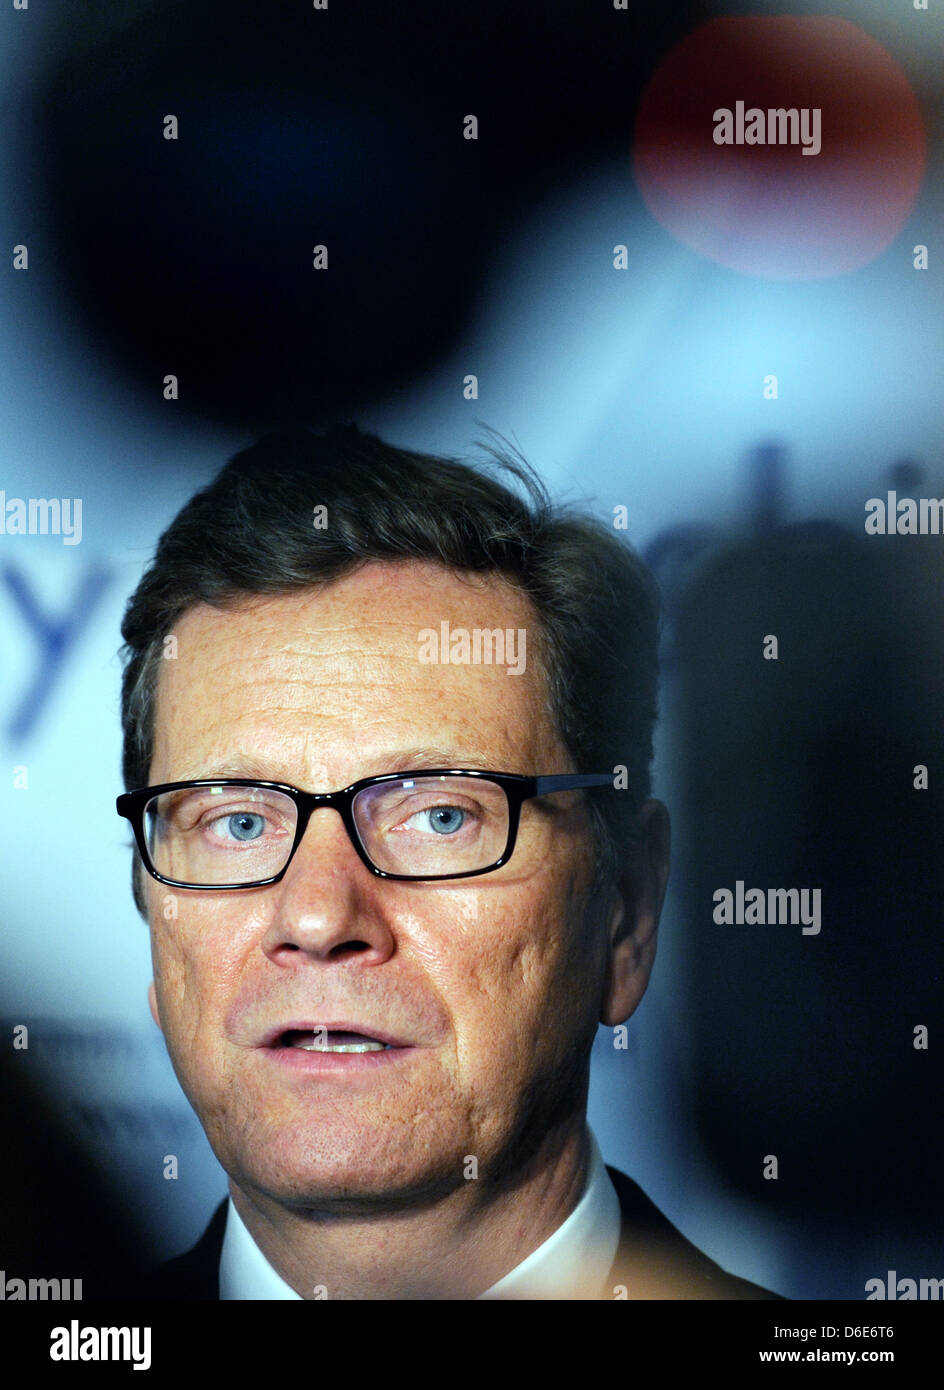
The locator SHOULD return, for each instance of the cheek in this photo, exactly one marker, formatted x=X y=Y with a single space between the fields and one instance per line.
x=195 y=961
x=180 y=998
x=555 y=973
x=518 y=980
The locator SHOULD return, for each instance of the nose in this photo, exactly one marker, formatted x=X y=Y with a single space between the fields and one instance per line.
x=328 y=906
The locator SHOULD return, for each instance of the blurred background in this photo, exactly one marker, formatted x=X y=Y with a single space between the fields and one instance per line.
x=738 y=345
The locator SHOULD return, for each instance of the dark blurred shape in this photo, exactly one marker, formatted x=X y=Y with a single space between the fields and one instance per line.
x=59 y=1217
x=768 y=478
x=299 y=128
x=905 y=475
x=799 y=772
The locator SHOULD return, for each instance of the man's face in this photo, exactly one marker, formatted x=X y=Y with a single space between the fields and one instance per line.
x=491 y=986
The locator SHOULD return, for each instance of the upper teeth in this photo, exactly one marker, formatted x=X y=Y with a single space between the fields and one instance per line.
x=342 y=1047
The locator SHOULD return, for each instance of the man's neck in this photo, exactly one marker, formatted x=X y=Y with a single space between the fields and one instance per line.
x=455 y=1249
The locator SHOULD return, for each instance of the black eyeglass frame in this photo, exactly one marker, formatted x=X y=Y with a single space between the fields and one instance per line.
x=517 y=789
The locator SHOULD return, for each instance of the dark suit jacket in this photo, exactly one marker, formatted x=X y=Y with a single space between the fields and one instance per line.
x=654 y=1260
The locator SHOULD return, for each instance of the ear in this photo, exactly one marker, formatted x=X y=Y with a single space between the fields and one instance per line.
x=634 y=917
x=152 y=1003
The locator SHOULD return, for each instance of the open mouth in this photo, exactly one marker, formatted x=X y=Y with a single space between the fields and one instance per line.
x=329 y=1040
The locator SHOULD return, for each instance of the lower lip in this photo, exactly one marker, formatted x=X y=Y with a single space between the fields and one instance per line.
x=298 y=1059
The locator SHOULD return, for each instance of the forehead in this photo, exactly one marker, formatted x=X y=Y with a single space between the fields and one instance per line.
x=328 y=684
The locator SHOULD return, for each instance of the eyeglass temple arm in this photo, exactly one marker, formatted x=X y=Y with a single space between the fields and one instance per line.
x=571 y=781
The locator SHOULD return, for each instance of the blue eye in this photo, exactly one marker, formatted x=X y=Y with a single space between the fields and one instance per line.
x=245 y=825
x=446 y=820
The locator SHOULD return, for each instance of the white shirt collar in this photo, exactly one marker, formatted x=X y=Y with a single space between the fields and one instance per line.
x=587 y=1240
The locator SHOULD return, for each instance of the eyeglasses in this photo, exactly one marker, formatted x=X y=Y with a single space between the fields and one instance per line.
x=233 y=832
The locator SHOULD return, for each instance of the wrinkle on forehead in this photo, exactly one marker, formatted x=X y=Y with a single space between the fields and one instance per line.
x=293 y=677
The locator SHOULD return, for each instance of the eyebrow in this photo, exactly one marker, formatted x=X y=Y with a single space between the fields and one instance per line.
x=401 y=760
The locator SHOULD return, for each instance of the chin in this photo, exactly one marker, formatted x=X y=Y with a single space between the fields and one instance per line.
x=344 y=1180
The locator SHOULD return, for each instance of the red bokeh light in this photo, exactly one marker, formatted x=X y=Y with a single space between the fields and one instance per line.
x=769 y=209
